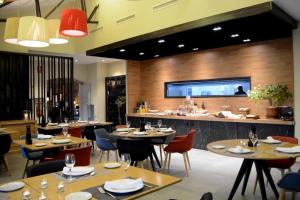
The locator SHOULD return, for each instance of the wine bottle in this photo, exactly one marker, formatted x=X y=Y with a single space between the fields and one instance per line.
x=28 y=135
x=142 y=125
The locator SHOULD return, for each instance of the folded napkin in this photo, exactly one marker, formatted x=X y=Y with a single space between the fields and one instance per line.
x=271 y=140
x=42 y=136
x=124 y=184
x=295 y=149
x=76 y=171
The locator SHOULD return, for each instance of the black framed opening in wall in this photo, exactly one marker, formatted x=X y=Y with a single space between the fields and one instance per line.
x=221 y=87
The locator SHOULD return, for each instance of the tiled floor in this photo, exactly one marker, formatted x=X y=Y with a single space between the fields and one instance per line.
x=210 y=172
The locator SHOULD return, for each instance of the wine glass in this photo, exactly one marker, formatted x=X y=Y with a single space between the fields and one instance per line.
x=70 y=162
x=65 y=131
x=148 y=126
x=128 y=123
x=125 y=161
x=253 y=137
x=159 y=123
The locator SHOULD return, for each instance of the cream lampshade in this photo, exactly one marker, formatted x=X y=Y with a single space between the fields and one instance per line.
x=33 y=32
x=53 y=31
x=11 y=30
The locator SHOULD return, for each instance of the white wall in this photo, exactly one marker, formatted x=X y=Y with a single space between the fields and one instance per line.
x=296 y=44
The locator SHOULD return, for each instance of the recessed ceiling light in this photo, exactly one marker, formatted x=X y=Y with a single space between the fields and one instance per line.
x=156 y=56
x=181 y=45
x=195 y=49
x=217 y=28
x=142 y=53
x=161 y=41
x=122 y=50
x=246 y=40
x=235 y=35
x=76 y=60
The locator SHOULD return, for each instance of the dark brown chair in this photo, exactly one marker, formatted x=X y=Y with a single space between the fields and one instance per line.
x=5 y=143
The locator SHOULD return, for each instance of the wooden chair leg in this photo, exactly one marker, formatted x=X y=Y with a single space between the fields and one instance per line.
x=282 y=195
x=101 y=154
x=255 y=184
x=26 y=165
x=188 y=160
x=166 y=160
x=169 y=160
x=117 y=157
x=160 y=151
x=107 y=156
x=185 y=164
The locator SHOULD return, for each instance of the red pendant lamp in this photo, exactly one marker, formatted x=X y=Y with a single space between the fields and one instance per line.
x=73 y=23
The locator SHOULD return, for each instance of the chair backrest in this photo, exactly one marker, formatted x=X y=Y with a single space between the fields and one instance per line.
x=286 y=139
x=207 y=196
x=45 y=168
x=189 y=140
x=5 y=143
x=103 y=141
x=75 y=132
x=55 y=131
x=82 y=155
x=89 y=133
x=139 y=149
x=24 y=151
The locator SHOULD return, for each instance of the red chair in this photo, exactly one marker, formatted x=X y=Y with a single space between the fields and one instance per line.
x=121 y=126
x=180 y=144
x=82 y=155
x=281 y=164
x=75 y=132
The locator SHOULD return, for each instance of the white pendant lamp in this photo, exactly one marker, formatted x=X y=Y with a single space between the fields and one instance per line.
x=11 y=30
x=53 y=31
x=33 y=32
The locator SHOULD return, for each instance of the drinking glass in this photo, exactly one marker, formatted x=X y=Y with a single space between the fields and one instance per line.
x=65 y=131
x=125 y=161
x=148 y=126
x=159 y=123
x=128 y=123
x=253 y=137
x=70 y=162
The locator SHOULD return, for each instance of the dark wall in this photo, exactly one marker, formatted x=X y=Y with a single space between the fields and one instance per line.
x=14 y=85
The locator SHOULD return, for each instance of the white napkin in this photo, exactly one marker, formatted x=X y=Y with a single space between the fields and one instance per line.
x=295 y=149
x=42 y=136
x=124 y=184
x=271 y=140
x=78 y=170
x=239 y=149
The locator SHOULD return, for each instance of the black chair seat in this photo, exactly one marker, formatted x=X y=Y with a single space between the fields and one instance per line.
x=207 y=196
x=35 y=155
x=45 y=168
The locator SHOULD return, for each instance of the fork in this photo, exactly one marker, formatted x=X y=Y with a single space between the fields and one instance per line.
x=101 y=190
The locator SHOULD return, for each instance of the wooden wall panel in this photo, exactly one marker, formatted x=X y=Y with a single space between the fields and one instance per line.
x=133 y=84
x=266 y=62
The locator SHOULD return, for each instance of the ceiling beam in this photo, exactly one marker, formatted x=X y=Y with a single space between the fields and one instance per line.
x=38 y=8
x=54 y=8
x=93 y=13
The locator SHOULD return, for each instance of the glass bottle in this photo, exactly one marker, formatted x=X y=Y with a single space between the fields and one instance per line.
x=28 y=135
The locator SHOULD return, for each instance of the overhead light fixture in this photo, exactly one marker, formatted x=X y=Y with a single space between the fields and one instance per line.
x=142 y=53
x=195 y=49
x=217 y=28
x=155 y=56
x=33 y=32
x=11 y=30
x=180 y=45
x=53 y=31
x=234 y=35
x=246 y=40
x=161 y=41
x=122 y=50
x=73 y=23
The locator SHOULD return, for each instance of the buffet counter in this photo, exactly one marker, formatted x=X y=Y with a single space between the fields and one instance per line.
x=210 y=128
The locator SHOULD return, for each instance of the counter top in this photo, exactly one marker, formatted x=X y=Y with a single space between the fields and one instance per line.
x=212 y=118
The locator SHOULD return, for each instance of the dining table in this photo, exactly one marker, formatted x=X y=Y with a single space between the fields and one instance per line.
x=152 y=182
x=257 y=155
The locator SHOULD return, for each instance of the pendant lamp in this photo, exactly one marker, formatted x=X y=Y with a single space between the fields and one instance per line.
x=53 y=31
x=73 y=23
x=11 y=30
x=33 y=32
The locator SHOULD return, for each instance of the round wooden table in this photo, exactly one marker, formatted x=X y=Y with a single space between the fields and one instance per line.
x=260 y=154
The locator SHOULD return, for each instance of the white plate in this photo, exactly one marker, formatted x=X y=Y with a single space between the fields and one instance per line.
x=63 y=125
x=123 y=181
x=166 y=130
x=124 y=129
x=61 y=141
x=12 y=186
x=139 y=133
x=112 y=165
x=40 y=144
x=271 y=141
x=288 y=150
x=218 y=146
x=79 y=196
x=78 y=171
x=245 y=150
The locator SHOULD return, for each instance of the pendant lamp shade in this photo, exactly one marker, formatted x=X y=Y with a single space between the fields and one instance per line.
x=11 y=30
x=53 y=31
x=73 y=23
x=33 y=32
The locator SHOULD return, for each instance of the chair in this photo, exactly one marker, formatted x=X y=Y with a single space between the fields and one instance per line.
x=30 y=155
x=75 y=132
x=105 y=142
x=138 y=149
x=289 y=183
x=55 y=131
x=207 y=196
x=82 y=155
x=5 y=143
x=89 y=133
x=281 y=164
x=180 y=144
x=45 y=168
x=121 y=126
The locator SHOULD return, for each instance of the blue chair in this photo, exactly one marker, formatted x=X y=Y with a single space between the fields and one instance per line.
x=290 y=183
x=105 y=143
x=30 y=155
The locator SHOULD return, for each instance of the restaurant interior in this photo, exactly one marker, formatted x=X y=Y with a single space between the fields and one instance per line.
x=149 y=99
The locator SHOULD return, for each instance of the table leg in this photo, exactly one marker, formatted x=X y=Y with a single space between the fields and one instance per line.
x=269 y=178
x=246 y=178
x=261 y=181
x=155 y=156
x=244 y=167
